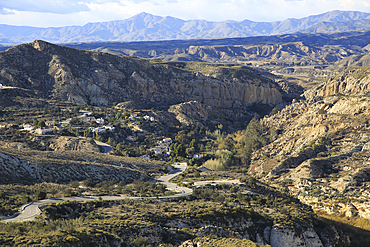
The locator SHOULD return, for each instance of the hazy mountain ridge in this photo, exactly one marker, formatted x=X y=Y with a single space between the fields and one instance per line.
x=144 y=27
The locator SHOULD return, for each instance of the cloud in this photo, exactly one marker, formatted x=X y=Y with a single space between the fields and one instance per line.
x=48 y=6
x=5 y=11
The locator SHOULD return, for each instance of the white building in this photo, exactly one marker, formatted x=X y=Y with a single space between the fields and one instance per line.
x=99 y=130
x=100 y=121
x=49 y=123
x=42 y=131
x=28 y=127
x=167 y=141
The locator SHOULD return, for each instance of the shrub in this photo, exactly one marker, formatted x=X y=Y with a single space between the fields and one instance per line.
x=214 y=164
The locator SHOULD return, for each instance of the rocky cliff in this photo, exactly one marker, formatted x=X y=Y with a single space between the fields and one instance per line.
x=322 y=151
x=349 y=82
x=94 y=78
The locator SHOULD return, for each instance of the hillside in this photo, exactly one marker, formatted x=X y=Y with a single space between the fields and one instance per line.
x=44 y=70
x=30 y=166
x=295 y=174
x=144 y=27
x=322 y=152
x=306 y=57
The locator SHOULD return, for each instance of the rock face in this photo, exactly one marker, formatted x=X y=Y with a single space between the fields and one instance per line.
x=62 y=73
x=285 y=237
x=14 y=169
x=64 y=143
x=349 y=82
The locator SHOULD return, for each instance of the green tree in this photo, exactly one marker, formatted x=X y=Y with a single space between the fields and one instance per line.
x=181 y=150
x=227 y=144
x=252 y=139
x=53 y=191
x=252 y=182
x=88 y=182
x=194 y=145
x=39 y=195
x=74 y=184
x=41 y=124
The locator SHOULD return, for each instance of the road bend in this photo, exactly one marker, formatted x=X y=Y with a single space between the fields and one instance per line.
x=31 y=210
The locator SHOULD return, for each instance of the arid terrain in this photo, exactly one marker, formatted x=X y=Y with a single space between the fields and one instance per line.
x=276 y=155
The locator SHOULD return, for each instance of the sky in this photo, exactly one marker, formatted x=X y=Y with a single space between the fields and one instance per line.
x=57 y=13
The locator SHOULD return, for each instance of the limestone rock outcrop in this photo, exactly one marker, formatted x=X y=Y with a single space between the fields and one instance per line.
x=64 y=143
x=62 y=73
x=349 y=82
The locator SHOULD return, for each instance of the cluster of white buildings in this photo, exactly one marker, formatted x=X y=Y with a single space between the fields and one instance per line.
x=102 y=129
x=146 y=117
x=163 y=147
x=92 y=119
x=50 y=126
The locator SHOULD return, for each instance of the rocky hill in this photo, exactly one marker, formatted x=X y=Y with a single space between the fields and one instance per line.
x=322 y=152
x=353 y=81
x=61 y=73
x=29 y=166
x=145 y=26
x=298 y=47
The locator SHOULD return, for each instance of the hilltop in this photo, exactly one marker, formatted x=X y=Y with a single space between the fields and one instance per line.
x=47 y=71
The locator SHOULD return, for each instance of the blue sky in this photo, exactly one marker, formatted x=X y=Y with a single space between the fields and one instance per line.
x=56 y=13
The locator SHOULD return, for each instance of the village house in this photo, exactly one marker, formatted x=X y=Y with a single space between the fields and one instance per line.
x=103 y=129
x=99 y=130
x=100 y=121
x=167 y=141
x=42 y=131
x=109 y=127
x=146 y=117
x=145 y=156
x=49 y=123
x=133 y=116
x=88 y=119
x=28 y=127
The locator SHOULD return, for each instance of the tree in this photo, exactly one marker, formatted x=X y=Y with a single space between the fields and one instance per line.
x=74 y=184
x=181 y=150
x=252 y=182
x=252 y=139
x=40 y=195
x=227 y=144
x=88 y=182
x=53 y=191
x=194 y=144
x=41 y=124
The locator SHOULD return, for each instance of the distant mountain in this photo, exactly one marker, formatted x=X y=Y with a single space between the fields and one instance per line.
x=146 y=27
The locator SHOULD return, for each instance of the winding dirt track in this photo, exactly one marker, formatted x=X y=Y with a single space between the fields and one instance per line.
x=31 y=210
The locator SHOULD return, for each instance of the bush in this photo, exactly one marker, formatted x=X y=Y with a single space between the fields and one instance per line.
x=214 y=164
x=139 y=241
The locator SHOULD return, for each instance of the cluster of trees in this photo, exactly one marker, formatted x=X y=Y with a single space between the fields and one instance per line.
x=251 y=139
x=178 y=149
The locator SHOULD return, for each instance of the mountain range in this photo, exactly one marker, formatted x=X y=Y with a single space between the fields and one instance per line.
x=147 y=27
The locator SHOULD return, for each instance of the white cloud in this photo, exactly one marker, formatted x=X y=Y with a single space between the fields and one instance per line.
x=70 y=12
x=52 y=6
